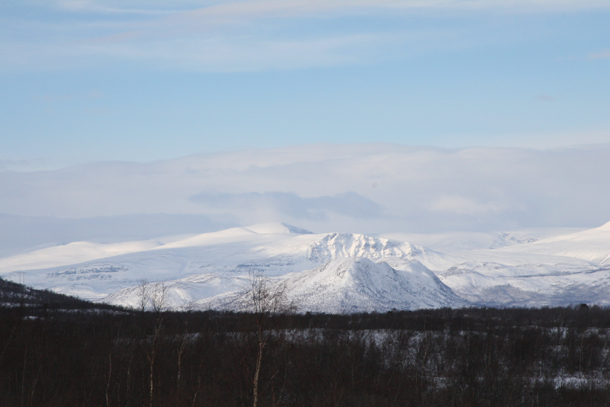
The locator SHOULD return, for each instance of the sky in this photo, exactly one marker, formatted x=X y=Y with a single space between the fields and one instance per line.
x=136 y=118
x=145 y=80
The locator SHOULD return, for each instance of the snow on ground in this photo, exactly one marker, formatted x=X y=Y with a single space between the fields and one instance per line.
x=200 y=268
x=72 y=253
x=358 y=284
x=333 y=272
x=592 y=245
x=460 y=241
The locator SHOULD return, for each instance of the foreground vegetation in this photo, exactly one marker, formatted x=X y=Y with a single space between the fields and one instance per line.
x=52 y=356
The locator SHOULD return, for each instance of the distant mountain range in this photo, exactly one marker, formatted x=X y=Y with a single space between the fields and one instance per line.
x=331 y=272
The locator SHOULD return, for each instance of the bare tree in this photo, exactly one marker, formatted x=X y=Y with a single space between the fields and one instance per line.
x=153 y=297
x=263 y=299
x=143 y=294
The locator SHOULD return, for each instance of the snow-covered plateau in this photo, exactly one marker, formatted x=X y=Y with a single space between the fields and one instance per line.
x=331 y=272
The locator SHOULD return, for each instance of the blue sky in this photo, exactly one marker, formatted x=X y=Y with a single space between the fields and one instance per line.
x=146 y=80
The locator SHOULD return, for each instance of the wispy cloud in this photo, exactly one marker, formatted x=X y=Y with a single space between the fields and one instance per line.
x=237 y=35
x=125 y=7
x=605 y=54
x=241 y=54
x=22 y=165
x=277 y=8
x=461 y=205
x=273 y=205
x=206 y=48
x=300 y=8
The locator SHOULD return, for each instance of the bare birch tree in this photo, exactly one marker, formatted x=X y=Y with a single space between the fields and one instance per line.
x=263 y=299
x=153 y=298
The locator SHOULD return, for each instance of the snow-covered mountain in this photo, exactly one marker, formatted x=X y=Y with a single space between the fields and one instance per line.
x=353 y=284
x=331 y=272
x=358 y=284
x=207 y=270
x=591 y=245
x=560 y=270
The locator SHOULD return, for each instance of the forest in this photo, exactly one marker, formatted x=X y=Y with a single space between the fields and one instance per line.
x=65 y=352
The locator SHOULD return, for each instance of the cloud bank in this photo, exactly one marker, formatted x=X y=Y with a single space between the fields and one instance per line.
x=291 y=205
x=369 y=188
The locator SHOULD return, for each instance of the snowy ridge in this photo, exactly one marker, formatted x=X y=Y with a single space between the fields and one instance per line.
x=181 y=294
x=277 y=228
x=565 y=269
x=210 y=269
x=346 y=285
x=358 y=284
x=338 y=245
x=592 y=245
x=73 y=253
x=295 y=261
x=324 y=272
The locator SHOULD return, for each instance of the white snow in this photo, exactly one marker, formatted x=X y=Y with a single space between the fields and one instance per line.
x=357 y=284
x=72 y=253
x=330 y=272
x=591 y=245
x=198 y=269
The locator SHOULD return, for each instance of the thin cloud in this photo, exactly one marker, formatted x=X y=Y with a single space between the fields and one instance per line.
x=187 y=43
x=292 y=205
x=20 y=165
x=236 y=35
x=419 y=189
x=227 y=53
x=605 y=54
x=237 y=54
x=90 y=6
x=282 y=8
x=461 y=205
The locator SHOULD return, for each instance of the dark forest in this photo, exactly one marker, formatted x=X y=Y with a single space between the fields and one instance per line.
x=58 y=352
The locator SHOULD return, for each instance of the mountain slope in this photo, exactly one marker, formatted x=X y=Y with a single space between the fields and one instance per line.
x=212 y=265
x=211 y=269
x=350 y=284
x=591 y=245
x=358 y=284
x=559 y=270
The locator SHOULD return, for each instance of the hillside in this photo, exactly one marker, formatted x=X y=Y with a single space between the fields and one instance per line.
x=18 y=295
x=210 y=270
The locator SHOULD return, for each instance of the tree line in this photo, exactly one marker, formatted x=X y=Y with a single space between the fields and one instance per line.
x=53 y=356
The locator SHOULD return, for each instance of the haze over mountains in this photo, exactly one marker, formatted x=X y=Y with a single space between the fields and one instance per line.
x=361 y=188
x=396 y=227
